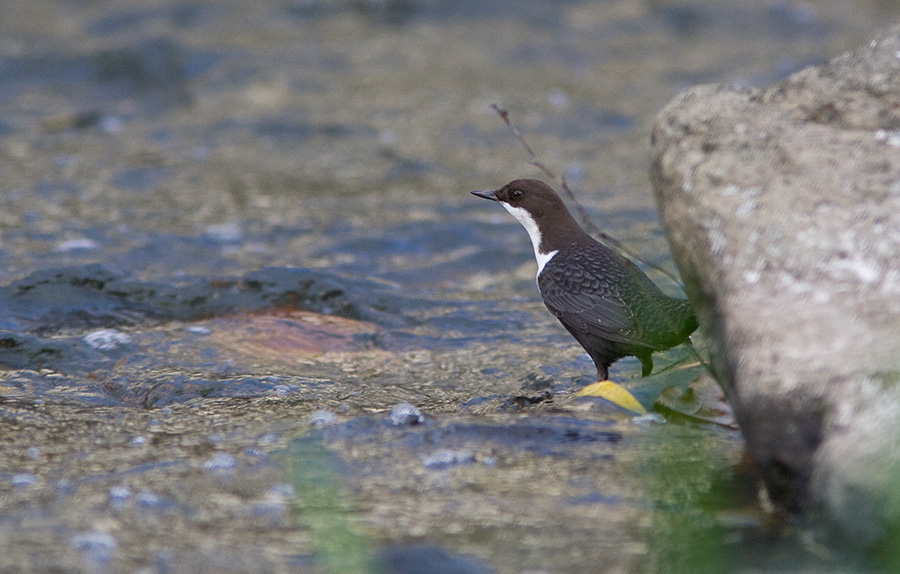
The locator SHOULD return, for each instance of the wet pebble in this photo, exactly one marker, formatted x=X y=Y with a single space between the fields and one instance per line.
x=255 y=452
x=322 y=418
x=283 y=390
x=147 y=499
x=220 y=462
x=406 y=414
x=64 y=486
x=199 y=330
x=890 y=138
x=649 y=419
x=282 y=490
x=23 y=480
x=225 y=232
x=107 y=339
x=119 y=495
x=73 y=244
x=275 y=505
x=95 y=545
x=268 y=438
x=446 y=458
x=110 y=124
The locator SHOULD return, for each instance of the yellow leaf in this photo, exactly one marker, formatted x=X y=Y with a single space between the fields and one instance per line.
x=616 y=394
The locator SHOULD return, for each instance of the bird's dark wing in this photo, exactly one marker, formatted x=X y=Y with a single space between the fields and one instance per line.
x=595 y=290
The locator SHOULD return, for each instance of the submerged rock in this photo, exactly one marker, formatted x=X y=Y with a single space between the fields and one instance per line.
x=93 y=295
x=783 y=209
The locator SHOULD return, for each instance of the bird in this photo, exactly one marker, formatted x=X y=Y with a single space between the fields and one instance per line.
x=602 y=299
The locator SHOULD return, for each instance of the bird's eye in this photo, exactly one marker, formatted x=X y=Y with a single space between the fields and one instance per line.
x=516 y=194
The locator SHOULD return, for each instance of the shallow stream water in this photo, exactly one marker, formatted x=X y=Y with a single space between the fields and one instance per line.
x=235 y=236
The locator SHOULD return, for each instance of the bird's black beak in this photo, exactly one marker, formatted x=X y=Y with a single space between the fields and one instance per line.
x=486 y=195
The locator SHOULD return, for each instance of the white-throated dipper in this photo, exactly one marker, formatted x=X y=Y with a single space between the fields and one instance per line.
x=604 y=300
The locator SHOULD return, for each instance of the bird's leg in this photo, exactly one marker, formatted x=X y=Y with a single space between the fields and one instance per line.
x=646 y=364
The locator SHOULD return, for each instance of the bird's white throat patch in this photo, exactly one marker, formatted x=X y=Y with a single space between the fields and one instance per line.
x=528 y=222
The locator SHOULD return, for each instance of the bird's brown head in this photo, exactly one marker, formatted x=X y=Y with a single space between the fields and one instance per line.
x=531 y=195
x=540 y=210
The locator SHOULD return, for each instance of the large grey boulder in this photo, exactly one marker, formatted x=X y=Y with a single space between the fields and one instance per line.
x=783 y=209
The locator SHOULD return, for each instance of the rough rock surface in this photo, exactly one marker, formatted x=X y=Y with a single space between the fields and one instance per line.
x=783 y=208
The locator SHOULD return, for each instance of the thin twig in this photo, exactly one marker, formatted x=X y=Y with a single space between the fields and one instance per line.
x=582 y=213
